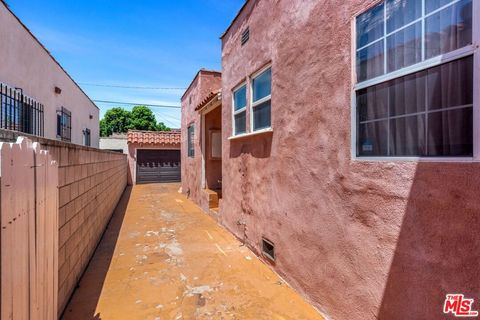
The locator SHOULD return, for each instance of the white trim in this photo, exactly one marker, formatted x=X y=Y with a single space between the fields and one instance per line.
x=239 y=111
x=234 y=113
x=260 y=71
x=476 y=79
x=417 y=159
x=261 y=101
x=353 y=101
x=427 y=64
x=250 y=134
x=254 y=104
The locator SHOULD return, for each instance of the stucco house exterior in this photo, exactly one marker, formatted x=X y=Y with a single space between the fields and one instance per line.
x=201 y=131
x=116 y=142
x=153 y=156
x=38 y=96
x=350 y=149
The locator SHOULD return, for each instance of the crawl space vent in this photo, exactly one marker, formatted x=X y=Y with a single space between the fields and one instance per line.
x=245 y=36
x=268 y=249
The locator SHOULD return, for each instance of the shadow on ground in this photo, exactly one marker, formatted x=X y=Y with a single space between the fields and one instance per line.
x=95 y=274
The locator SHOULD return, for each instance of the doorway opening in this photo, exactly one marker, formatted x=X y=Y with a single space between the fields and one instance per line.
x=212 y=155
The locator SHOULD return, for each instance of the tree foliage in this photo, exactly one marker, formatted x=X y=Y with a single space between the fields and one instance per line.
x=116 y=120
x=142 y=118
x=119 y=120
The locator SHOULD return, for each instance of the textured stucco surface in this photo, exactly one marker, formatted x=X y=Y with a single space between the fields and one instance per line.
x=203 y=84
x=114 y=143
x=362 y=240
x=27 y=65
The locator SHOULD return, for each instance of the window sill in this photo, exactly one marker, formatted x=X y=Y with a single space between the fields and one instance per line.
x=251 y=134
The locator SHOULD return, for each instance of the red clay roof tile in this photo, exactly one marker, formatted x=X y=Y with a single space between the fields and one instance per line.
x=207 y=99
x=155 y=137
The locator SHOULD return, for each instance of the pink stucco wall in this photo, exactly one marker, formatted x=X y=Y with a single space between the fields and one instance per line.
x=361 y=240
x=26 y=64
x=203 y=83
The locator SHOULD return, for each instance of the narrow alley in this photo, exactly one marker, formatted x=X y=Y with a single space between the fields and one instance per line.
x=162 y=258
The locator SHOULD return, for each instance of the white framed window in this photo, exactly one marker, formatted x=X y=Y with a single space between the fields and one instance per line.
x=415 y=71
x=240 y=109
x=261 y=99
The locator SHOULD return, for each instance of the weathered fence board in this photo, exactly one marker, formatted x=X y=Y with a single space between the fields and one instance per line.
x=28 y=239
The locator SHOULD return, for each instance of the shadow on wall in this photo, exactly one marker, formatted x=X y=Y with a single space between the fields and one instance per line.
x=256 y=146
x=93 y=279
x=438 y=249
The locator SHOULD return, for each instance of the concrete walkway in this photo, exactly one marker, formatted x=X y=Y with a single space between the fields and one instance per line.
x=162 y=258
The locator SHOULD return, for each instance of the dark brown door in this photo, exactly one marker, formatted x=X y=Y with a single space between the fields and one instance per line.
x=156 y=166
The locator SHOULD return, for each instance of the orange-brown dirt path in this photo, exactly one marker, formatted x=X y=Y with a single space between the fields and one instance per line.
x=162 y=258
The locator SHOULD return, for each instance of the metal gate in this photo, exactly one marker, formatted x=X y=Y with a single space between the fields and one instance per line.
x=158 y=166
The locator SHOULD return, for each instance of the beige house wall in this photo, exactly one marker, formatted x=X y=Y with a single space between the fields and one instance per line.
x=26 y=64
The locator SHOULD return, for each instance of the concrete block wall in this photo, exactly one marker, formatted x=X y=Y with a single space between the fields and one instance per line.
x=90 y=184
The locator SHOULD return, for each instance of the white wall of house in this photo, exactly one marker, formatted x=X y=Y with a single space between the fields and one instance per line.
x=26 y=64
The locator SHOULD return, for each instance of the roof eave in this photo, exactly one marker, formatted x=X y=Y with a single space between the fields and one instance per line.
x=234 y=19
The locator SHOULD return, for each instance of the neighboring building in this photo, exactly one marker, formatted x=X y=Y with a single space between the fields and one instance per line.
x=153 y=156
x=350 y=153
x=37 y=95
x=201 y=140
x=116 y=142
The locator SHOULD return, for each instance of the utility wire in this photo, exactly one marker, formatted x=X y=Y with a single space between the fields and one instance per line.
x=129 y=87
x=137 y=104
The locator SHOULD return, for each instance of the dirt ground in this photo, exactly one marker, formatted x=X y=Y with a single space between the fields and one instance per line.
x=163 y=258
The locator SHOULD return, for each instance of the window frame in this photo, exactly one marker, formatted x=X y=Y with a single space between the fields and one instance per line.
x=65 y=128
x=244 y=109
x=191 y=141
x=251 y=104
x=470 y=50
x=87 y=137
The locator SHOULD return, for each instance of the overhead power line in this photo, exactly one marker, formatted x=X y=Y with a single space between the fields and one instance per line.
x=129 y=87
x=138 y=104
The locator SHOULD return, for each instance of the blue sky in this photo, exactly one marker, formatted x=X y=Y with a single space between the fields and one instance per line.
x=148 y=43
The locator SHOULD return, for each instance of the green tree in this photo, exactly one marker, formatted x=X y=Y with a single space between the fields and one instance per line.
x=119 y=120
x=162 y=127
x=115 y=120
x=142 y=118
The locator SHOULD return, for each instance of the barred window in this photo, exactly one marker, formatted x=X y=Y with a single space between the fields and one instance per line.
x=87 y=137
x=64 y=124
x=19 y=112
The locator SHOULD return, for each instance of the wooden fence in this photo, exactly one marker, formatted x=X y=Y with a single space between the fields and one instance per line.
x=29 y=232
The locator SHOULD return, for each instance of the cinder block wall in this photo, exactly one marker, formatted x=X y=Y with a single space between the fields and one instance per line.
x=91 y=182
x=90 y=186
